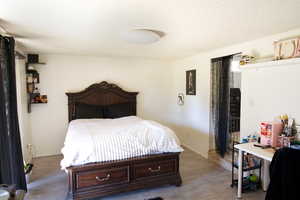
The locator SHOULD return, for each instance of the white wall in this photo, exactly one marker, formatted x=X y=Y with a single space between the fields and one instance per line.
x=158 y=82
x=74 y=73
x=191 y=121
x=268 y=93
x=23 y=115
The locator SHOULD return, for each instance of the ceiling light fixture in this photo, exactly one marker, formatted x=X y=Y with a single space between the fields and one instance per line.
x=142 y=36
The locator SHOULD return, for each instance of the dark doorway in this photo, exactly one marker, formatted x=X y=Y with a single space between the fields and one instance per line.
x=225 y=102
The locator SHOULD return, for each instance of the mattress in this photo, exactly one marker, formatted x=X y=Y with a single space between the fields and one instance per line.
x=99 y=140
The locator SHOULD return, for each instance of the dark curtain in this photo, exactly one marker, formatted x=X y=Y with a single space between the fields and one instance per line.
x=220 y=79
x=11 y=158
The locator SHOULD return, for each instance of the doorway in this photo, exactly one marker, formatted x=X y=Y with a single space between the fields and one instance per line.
x=225 y=104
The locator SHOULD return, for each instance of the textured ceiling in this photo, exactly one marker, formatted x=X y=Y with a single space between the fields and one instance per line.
x=93 y=27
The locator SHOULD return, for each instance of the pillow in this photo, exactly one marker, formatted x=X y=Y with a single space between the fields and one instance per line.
x=118 y=110
x=86 y=111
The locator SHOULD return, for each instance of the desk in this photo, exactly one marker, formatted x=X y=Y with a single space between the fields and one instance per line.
x=265 y=154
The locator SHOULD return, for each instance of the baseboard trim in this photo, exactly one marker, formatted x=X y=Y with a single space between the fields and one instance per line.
x=47 y=156
x=195 y=151
x=216 y=158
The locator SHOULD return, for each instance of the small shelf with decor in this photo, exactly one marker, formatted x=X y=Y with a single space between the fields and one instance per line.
x=271 y=64
x=33 y=80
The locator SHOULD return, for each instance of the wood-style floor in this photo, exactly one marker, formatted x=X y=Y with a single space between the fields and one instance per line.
x=202 y=180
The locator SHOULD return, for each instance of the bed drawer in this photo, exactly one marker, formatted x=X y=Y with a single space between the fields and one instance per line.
x=102 y=177
x=155 y=168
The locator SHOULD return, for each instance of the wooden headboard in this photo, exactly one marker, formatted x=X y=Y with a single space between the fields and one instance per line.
x=101 y=94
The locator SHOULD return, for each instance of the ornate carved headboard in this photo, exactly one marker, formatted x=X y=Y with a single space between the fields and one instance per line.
x=101 y=94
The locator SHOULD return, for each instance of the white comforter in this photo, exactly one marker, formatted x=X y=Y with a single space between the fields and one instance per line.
x=97 y=140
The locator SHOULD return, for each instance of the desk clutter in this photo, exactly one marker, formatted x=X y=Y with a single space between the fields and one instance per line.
x=4 y=195
x=279 y=133
x=7 y=192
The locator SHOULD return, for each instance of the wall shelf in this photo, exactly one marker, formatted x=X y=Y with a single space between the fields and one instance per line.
x=32 y=79
x=274 y=63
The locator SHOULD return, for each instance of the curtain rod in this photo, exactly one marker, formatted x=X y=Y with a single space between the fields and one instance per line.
x=3 y=30
x=18 y=54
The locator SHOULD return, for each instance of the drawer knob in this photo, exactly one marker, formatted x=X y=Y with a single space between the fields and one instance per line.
x=103 y=179
x=154 y=170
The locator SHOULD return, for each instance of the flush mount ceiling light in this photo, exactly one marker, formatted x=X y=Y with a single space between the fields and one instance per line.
x=142 y=36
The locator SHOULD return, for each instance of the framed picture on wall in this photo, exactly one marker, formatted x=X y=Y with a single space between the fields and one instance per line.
x=191 y=82
x=180 y=100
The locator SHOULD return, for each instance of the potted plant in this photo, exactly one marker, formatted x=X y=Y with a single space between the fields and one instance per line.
x=28 y=170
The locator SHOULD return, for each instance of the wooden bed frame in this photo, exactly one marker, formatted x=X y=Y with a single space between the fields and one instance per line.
x=105 y=178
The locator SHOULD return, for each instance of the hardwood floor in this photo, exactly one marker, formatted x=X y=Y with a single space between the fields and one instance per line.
x=202 y=180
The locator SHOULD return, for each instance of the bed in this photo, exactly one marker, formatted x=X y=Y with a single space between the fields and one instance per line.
x=97 y=179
